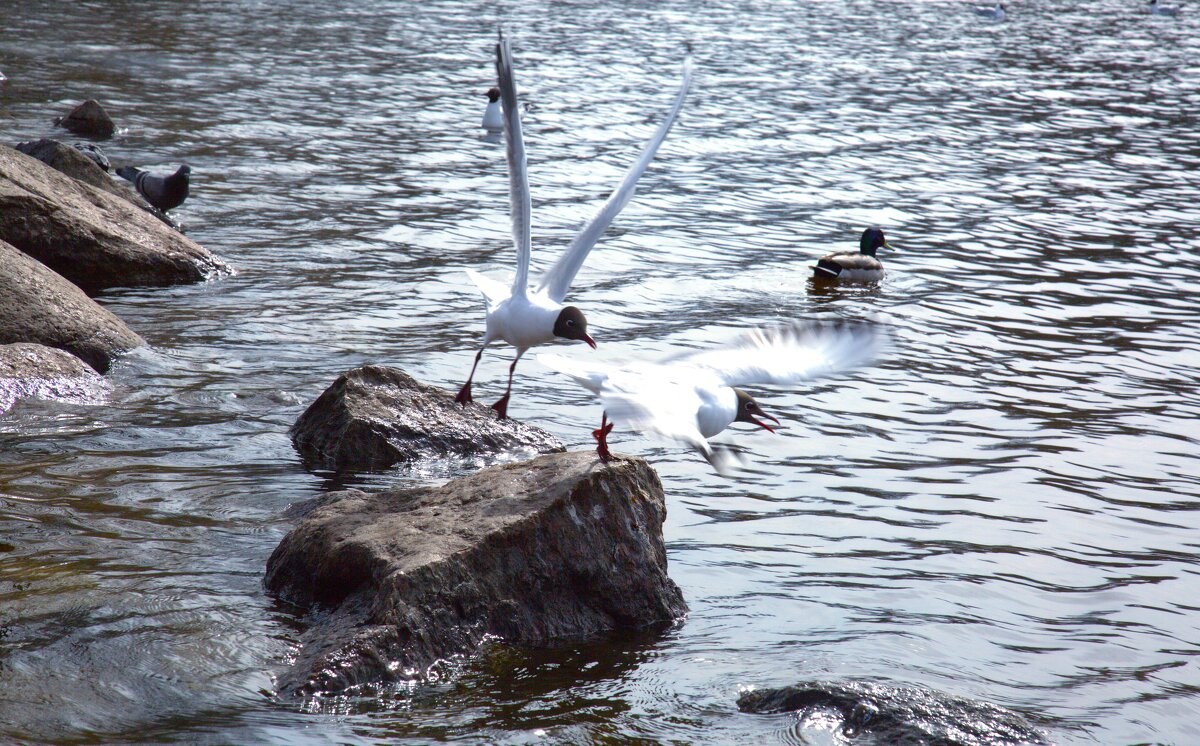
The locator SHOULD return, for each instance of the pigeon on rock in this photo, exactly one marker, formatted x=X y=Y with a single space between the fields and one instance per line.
x=164 y=192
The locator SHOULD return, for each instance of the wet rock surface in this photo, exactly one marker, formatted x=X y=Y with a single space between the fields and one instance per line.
x=74 y=162
x=29 y=371
x=372 y=417
x=90 y=119
x=557 y=548
x=93 y=238
x=37 y=305
x=899 y=716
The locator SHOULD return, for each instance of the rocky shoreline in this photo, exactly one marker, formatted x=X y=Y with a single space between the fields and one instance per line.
x=69 y=231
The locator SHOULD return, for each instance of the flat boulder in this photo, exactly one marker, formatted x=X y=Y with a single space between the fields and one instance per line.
x=93 y=238
x=373 y=417
x=90 y=119
x=37 y=305
x=33 y=371
x=877 y=713
x=558 y=548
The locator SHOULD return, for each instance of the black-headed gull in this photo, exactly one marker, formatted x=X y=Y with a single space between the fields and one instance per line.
x=1162 y=10
x=164 y=192
x=860 y=266
x=693 y=396
x=493 y=116
x=526 y=318
x=995 y=12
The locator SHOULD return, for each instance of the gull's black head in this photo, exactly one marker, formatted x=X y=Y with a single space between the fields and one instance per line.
x=571 y=324
x=872 y=239
x=493 y=94
x=748 y=410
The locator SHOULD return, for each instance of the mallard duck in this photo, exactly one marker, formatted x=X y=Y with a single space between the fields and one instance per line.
x=1162 y=10
x=854 y=267
x=995 y=12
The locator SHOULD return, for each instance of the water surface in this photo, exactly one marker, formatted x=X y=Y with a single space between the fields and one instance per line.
x=1003 y=509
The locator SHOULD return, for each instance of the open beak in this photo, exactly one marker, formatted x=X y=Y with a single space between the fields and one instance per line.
x=764 y=425
x=591 y=342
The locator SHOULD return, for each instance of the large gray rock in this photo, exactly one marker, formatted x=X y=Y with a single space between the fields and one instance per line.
x=71 y=161
x=372 y=417
x=89 y=118
x=899 y=716
x=32 y=371
x=91 y=237
x=557 y=548
x=37 y=305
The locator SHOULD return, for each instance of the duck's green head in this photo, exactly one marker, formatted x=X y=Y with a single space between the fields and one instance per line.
x=872 y=239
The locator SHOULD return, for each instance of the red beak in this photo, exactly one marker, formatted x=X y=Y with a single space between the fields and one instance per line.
x=764 y=425
x=591 y=342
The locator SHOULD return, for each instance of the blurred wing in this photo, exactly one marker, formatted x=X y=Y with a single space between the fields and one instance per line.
x=667 y=409
x=518 y=175
x=791 y=353
x=591 y=376
x=557 y=280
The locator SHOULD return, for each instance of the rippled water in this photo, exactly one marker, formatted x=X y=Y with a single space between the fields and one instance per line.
x=1004 y=509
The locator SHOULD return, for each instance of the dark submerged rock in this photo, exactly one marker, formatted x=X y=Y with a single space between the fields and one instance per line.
x=90 y=119
x=901 y=716
x=29 y=371
x=558 y=548
x=89 y=236
x=372 y=417
x=37 y=305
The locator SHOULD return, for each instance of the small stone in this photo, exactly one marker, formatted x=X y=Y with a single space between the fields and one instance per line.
x=89 y=119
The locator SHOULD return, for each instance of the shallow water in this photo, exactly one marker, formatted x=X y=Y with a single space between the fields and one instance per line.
x=1003 y=509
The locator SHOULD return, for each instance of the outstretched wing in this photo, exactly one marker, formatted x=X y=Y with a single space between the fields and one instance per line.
x=557 y=280
x=790 y=353
x=518 y=174
x=492 y=290
x=591 y=376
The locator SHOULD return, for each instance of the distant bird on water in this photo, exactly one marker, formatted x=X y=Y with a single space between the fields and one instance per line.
x=694 y=396
x=995 y=12
x=1162 y=10
x=523 y=317
x=854 y=267
x=493 y=115
x=164 y=192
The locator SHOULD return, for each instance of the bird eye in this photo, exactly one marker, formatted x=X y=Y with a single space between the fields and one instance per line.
x=570 y=322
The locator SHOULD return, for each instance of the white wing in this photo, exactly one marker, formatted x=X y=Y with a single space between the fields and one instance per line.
x=492 y=290
x=591 y=376
x=557 y=280
x=518 y=174
x=790 y=353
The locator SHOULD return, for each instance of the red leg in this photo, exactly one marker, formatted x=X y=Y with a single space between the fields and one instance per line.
x=464 y=394
x=501 y=406
x=601 y=436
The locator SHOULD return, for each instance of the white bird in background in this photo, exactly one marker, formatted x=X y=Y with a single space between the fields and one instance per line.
x=493 y=115
x=1162 y=10
x=516 y=315
x=996 y=12
x=693 y=396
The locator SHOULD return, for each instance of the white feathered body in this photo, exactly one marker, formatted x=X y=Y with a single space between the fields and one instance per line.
x=523 y=321
x=493 y=117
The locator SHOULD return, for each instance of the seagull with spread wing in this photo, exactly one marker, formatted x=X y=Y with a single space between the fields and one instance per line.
x=693 y=396
x=523 y=317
